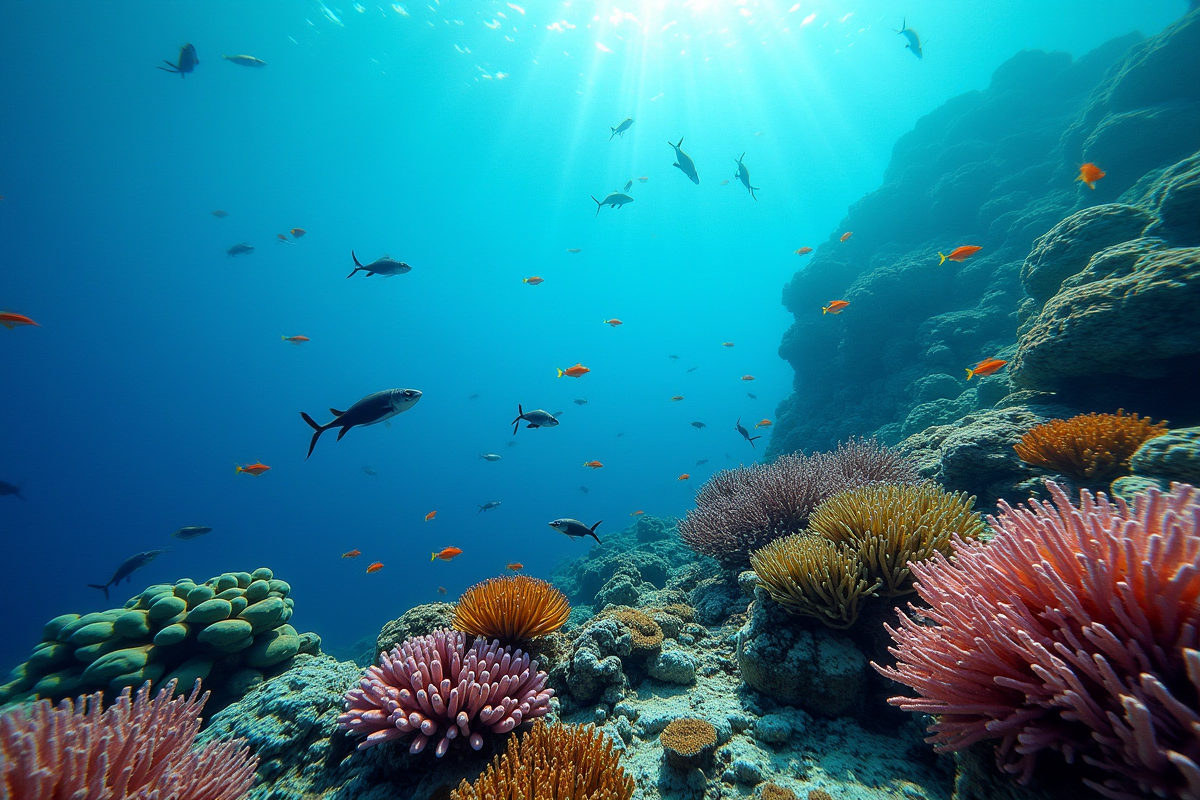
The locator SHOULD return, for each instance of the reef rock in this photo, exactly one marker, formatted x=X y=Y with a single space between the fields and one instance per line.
x=418 y=621
x=1174 y=456
x=595 y=668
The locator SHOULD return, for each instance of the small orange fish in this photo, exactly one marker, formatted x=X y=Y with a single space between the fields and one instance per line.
x=613 y=322
x=846 y=236
x=637 y=513
x=446 y=554
x=281 y=237
x=575 y=371
x=676 y=398
x=219 y=214
x=835 y=306
x=726 y=344
x=378 y=565
x=960 y=253
x=11 y=319
x=516 y=566
x=295 y=339
x=747 y=377
x=298 y=232
x=989 y=366
x=593 y=464
x=1089 y=173
x=352 y=554
x=430 y=515
x=683 y=477
x=804 y=251
x=253 y=469
x=764 y=423
x=534 y=281
x=441 y=590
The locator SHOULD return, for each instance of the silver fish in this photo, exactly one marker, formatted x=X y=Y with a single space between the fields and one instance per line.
x=620 y=128
x=246 y=61
x=385 y=266
x=536 y=419
x=575 y=529
x=614 y=199
x=685 y=164
x=914 y=41
x=489 y=456
x=191 y=532
x=372 y=409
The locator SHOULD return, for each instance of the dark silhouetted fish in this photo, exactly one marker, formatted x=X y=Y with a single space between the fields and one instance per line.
x=620 y=128
x=745 y=433
x=914 y=41
x=743 y=175
x=698 y=425
x=614 y=199
x=536 y=419
x=385 y=266
x=751 y=396
x=701 y=462
x=580 y=401
x=191 y=532
x=10 y=489
x=127 y=568
x=488 y=506
x=187 y=62
x=685 y=164
x=583 y=489
x=575 y=529
x=370 y=470
x=371 y=409
x=239 y=249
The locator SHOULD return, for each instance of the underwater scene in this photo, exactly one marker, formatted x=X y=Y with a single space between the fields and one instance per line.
x=600 y=399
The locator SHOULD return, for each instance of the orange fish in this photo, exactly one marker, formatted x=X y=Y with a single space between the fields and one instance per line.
x=253 y=469
x=378 y=565
x=683 y=477
x=765 y=423
x=430 y=515
x=726 y=344
x=960 y=253
x=446 y=554
x=614 y=322
x=593 y=464
x=11 y=319
x=676 y=398
x=747 y=377
x=637 y=513
x=1089 y=173
x=989 y=366
x=352 y=554
x=298 y=232
x=295 y=339
x=804 y=251
x=835 y=306
x=219 y=214
x=281 y=237
x=575 y=371
x=441 y=590
x=846 y=236
x=516 y=566
x=534 y=281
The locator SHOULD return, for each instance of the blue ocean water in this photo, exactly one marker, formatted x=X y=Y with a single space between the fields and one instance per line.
x=464 y=139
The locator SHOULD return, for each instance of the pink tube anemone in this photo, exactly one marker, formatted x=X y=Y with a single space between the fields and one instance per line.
x=437 y=684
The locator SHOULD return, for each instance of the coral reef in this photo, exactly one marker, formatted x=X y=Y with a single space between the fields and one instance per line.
x=420 y=620
x=139 y=747
x=688 y=742
x=814 y=577
x=436 y=683
x=511 y=608
x=1090 y=448
x=1175 y=455
x=231 y=631
x=1074 y=630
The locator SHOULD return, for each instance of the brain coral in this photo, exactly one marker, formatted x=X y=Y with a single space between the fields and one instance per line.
x=1090 y=448
x=436 y=683
x=553 y=762
x=511 y=608
x=688 y=742
x=1074 y=629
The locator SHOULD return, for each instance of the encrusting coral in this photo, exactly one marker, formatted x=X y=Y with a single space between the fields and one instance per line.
x=646 y=633
x=813 y=577
x=553 y=762
x=137 y=748
x=1090 y=448
x=688 y=742
x=1075 y=630
x=438 y=684
x=511 y=608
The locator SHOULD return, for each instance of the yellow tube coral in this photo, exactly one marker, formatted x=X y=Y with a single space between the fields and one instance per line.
x=814 y=577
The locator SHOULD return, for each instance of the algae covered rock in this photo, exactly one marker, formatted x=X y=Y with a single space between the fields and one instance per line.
x=421 y=620
x=1174 y=456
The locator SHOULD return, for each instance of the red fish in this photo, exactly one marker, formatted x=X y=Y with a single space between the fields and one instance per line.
x=430 y=515
x=960 y=253
x=835 y=306
x=516 y=566
x=446 y=554
x=11 y=319
x=613 y=322
x=846 y=236
x=295 y=339
x=989 y=366
x=1089 y=173
x=576 y=371
x=637 y=513
x=683 y=477
x=253 y=469
x=533 y=281
x=804 y=250
x=378 y=565
x=352 y=554
x=765 y=423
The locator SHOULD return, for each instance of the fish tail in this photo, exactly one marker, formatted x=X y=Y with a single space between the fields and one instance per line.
x=599 y=205
x=824 y=310
x=970 y=374
x=561 y=373
x=237 y=469
x=943 y=261
x=101 y=588
x=319 y=430
x=432 y=556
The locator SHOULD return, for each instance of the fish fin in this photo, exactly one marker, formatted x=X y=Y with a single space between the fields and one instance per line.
x=599 y=205
x=319 y=430
x=432 y=556
x=531 y=425
x=237 y=469
x=561 y=373
x=335 y=412
x=7 y=324
x=101 y=588
x=970 y=374
x=943 y=261
x=342 y=432
x=824 y=310
x=676 y=164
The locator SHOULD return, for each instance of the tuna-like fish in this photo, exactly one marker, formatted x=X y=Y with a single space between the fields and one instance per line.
x=246 y=61
x=7 y=488
x=580 y=401
x=536 y=419
x=127 y=568
x=701 y=462
x=745 y=433
x=698 y=425
x=187 y=62
x=489 y=456
x=743 y=175
x=191 y=532
x=620 y=128
x=370 y=410
x=488 y=506
x=914 y=41
x=575 y=529
x=685 y=163
x=614 y=199
x=385 y=266
x=239 y=249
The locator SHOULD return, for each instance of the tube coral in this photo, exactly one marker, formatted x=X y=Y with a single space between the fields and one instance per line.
x=513 y=608
x=137 y=748
x=1075 y=630
x=436 y=683
x=813 y=577
x=1091 y=448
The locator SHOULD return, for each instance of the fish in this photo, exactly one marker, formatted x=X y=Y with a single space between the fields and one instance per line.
x=10 y=489
x=914 y=42
x=489 y=456
x=685 y=164
x=834 y=307
x=127 y=568
x=743 y=175
x=643 y=178
x=488 y=506
x=441 y=590
x=372 y=409
x=960 y=253
x=745 y=433
x=384 y=265
x=593 y=464
x=751 y=396
x=726 y=344
x=701 y=462
x=692 y=369
x=673 y=357
x=763 y=423
x=574 y=528
x=684 y=477
x=11 y=319
x=370 y=471
x=698 y=425
x=430 y=516
x=724 y=182
x=245 y=61
x=219 y=214
x=295 y=339
x=191 y=532
x=375 y=567
x=186 y=63
x=1089 y=173
x=637 y=513
x=533 y=281
x=239 y=249
x=536 y=419
x=804 y=251
x=510 y=443
x=583 y=489
x=577 y=371
x=298 y=232
x=676 y=398
x=352 y=553
x=446 y=553
x=473 y=396
x=620 y=128
x=845 y=236
x=282 y=237
x=747 y=377
x=614 y=322
x=580 y=401
x=255 y=469
x=989 y=366
x=628 y=186
x=515 y=566
x=574 y=250
x=614 y=199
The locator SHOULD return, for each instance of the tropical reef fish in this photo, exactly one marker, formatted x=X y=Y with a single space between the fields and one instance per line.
x=751 y=396
x=845 y=236
x=959 y=253
x=127 y=568
x=515 y=566
x=614 y=322
x=298 y=232
x=370 y=470
x=536 y=419
x=726 y=344
x=574 y=250
x=446 y=553
x=489 y=456
x=246 y=61
x=593 y=464
x=614 y=199
x=191 y=532
x=375 y=567
x=743 y=175
x=673 y=357
x=7 y=489
x=282 y=237
x=745 y=433
x=575 y=529
x=701 y=462
x=186 y=63
x=219 y=214
x=989 y=366
x=684 y=477
x=11 y=319
x=488 y=506
x=576 y=371
x=430 y=516
x=441 y=590
x=352 y=553
x=258 y=468
x=637 y=513
x=620 y=128
x=580 y=401
x=804 y=251
x=385 y=266
x=699 y=425
x=1089 y=173
x=676 y=398
x=239 y=249
x=370 y=410
x=692 y=369
x=914 y=42
x=533 y=281
x=835 y=306
x=763 y=423
x=685 y=164
x=643 y=178
x=295 y=339
x=747 y=377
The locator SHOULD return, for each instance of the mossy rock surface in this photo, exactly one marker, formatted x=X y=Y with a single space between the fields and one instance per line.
x=225 y=582
x=151 y=672
x=194 y=669
x=230 y=594
x=243 y=681
x=238 y=605
x=48 y=656
x=91 y=652
x=57 y=684
x=280 y=586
